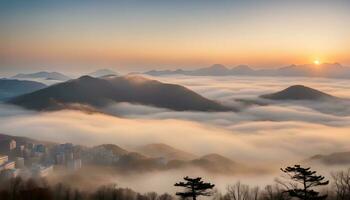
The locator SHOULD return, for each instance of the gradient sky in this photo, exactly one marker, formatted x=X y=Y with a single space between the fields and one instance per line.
x=144 y=34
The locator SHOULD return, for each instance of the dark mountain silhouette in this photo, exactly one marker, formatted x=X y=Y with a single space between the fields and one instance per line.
x=242 y=70
x=338 y=158
x=111 y=155
x=214 y=163
x=5 y=139
x=331 y=70
x=103 y=72
x=10 y=88
x=116 y=150
x=165 y=72
x=120 y=159
x=328 y=70
x=175 y=159
x=43 y=75
x=165 y=151
x=101 y=91
x=299 y=92
x=214 y=70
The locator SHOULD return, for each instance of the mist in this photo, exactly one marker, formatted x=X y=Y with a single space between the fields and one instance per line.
x=269 y=136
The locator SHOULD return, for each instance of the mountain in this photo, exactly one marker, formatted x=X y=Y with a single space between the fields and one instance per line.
x=120 y=159
x=330 y=70
x=10 y=88
x=299 y=92
x=111 y=155
x=219 y=160
x=99 y=92
x=162 y=72
x=165 y=151
x=242 y=70
x=164 y=157
x=43 y=75
x=214 y=70
x=339 y=158
x=212 y=163
x=114 y=149
x=5 y=139
x=103 y=72
x=327 y=70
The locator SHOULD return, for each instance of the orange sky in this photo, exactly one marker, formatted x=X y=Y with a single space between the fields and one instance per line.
x=167 y=35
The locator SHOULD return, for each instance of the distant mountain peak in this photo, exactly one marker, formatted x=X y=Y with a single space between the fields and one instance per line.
x=328 y=70
x=113 y=148
x=99 y=92
x=337 y=158
x=10 y=88
x=242 y=70
x=102 y=73
x=216 y=157
x=299 y=87
x=136 y=78
x=165 y=151
x=43 y=75
x=298 y=92
x=84 y=79
x=242 y=67
x=218 y=66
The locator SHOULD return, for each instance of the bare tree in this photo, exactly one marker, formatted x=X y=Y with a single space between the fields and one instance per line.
x=274 y=192
x=241 y=191
x=217 y=195
x=151 y=195
x=165 y=196
x=341 y=184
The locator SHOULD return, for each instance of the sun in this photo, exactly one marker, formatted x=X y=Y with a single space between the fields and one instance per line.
x=317 y=62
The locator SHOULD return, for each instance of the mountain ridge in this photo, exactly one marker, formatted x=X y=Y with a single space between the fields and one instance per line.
x=10 y=88
x=42 y=74
x=327 y=70
x=299 y=92
x=337 y=158
x=102 y=73
x=165 y=151
x=132 y=89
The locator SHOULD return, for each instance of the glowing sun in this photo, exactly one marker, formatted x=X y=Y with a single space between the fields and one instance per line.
x=317 y=62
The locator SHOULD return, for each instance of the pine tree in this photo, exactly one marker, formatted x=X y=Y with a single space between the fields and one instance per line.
x=194 y=187
x=304 y=182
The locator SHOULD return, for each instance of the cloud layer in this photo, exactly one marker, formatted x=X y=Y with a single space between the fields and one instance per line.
x=272 y=135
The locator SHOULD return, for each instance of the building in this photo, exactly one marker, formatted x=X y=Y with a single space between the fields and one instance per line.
x=30 y=146
x=67 y=147
x=42 y=171
x=5 y=163
x=102 y=155
x=74 y=164
x=40 y=148
x=12 y=145
x=20 y=150
x=19 y=162
x=8 y=165
x=3 y=159
x=9 y=173
x=69 y=156
x=60 y=159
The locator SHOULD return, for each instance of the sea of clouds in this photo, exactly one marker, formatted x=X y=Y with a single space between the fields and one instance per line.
x=276 y=134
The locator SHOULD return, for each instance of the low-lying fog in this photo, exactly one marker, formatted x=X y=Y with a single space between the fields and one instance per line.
x=272 y=135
